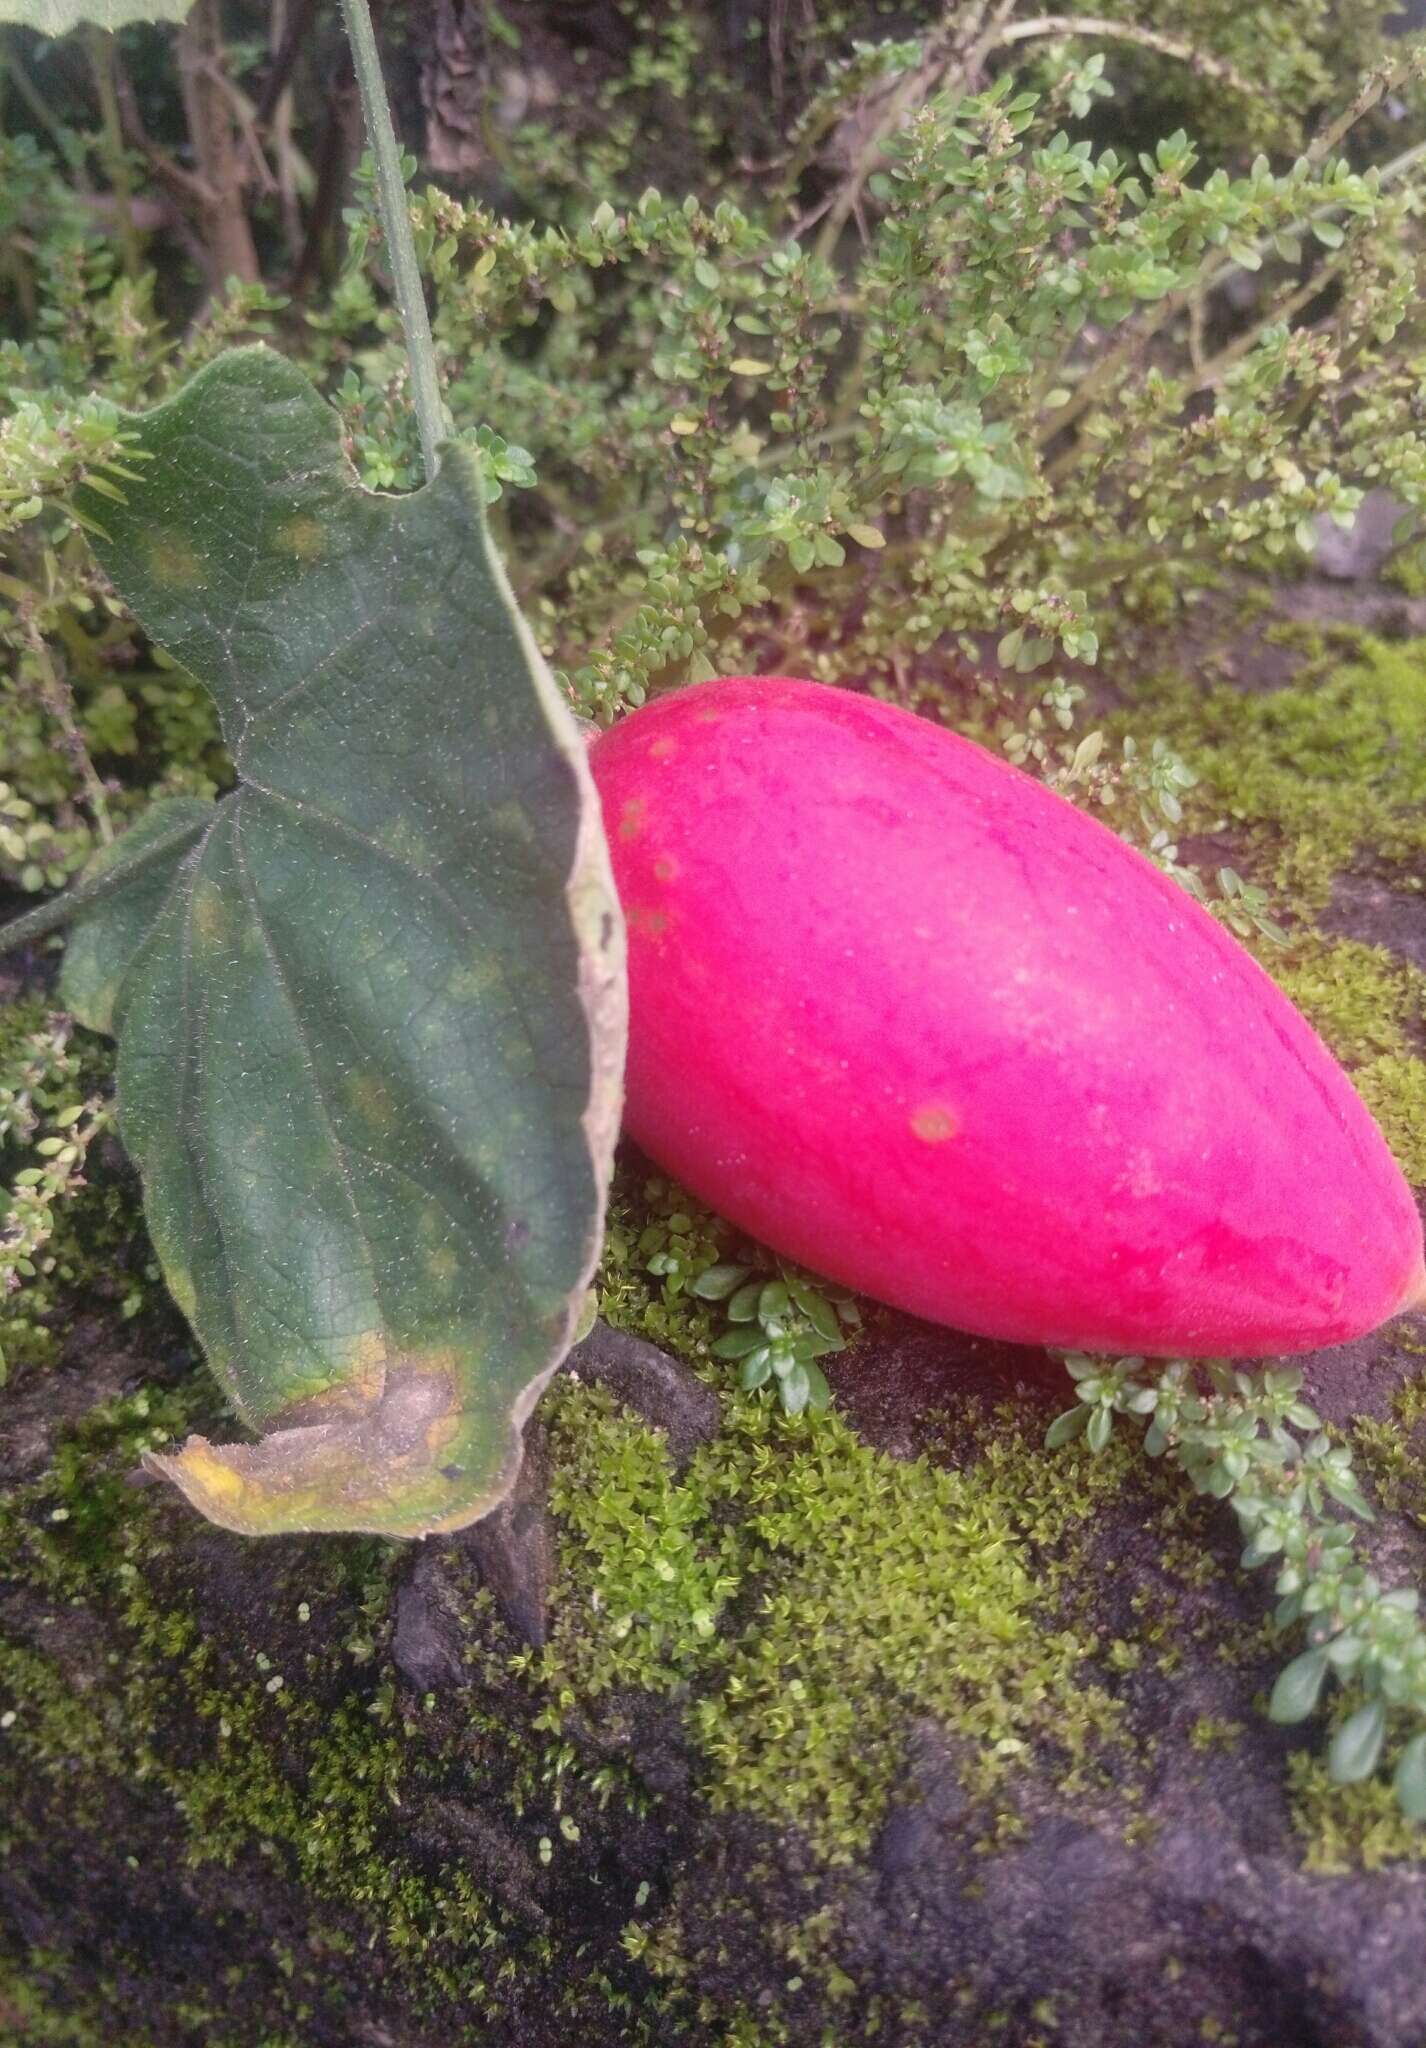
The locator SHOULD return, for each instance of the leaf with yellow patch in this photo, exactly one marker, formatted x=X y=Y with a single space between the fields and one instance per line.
x=370 y=1006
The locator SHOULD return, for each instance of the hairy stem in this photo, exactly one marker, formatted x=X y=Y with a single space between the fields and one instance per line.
x=396 y=225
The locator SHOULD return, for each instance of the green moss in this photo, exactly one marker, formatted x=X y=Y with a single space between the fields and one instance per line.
x=91 y=1228
x=1348 y=1827
x=1370 y=1007
x=1319 y=774
x=817 y=1596
x=651 y=1218
x=1394 y=1090
x=1365 y=1001
x=1392 y=1450
x=29 y=2017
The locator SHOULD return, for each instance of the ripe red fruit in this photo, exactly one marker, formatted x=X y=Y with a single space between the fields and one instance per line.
x=912 y=1019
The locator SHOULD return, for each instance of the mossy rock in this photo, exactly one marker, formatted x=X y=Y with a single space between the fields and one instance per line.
x=885 y=1726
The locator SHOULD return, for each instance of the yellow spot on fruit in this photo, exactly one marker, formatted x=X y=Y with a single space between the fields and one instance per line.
x=651 y=923
x=631 y=818
x=304 y=537
x=663 y=750
x=665 y=868
x=933 y=1124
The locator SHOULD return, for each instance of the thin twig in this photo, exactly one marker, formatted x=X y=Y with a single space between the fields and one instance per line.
x=279 y=121
x=99 y=44
x=188 y=191
x=1126 y=32
x=1374 y=88
x=1118 y=358
x=294 y=35
x=58 y=700
x=336 y=147
x=941 y=51
x=35 y=103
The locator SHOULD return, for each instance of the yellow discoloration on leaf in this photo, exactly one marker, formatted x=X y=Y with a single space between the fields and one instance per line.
x=398 y=1464
x=372 y=1100
x=475 y=980
x=173 y=561
x=180 y=1285
x=933 y=1123
x=209 y=914
x=401 y=837
x=514 y=822
x=304 y=537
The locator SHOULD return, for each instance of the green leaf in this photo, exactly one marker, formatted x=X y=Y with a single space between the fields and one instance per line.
x=1357 y=1745
x=796 y=1389
x=756 y=1368
x=58 y=17
x=773 y=1301
x=1065 y=1428
x=143 y=865
x=371 y=1031
x=718 y=1282
x=1298 y=1688
x=744 y=1304
x=1410 y=1779
x=739 y=1343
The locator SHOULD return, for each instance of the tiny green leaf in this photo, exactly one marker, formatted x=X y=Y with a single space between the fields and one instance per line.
x=718 y=1282
x=739 y=1343
x=1298 y=1688
x=744 y=1304
x=1066 y=1427
x=1357 y=1745
x=1411 y=1779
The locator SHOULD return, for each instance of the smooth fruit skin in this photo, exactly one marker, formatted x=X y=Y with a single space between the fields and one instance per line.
x=913 y=1020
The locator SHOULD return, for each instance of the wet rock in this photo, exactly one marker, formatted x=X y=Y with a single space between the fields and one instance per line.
x=1359 y=551
x=426 y=1637
x=1379 y=912
x=513 y=1546
x=660 y=1388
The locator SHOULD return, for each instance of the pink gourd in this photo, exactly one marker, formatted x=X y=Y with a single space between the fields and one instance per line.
x=912 y=1019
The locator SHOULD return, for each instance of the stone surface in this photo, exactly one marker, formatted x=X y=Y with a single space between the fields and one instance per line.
x=658 y=1387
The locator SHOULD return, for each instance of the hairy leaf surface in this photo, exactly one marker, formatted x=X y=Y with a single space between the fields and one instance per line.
x=371 y=1019
x=58 y=17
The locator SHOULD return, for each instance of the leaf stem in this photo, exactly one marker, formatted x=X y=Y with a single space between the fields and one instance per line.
x=396 y=225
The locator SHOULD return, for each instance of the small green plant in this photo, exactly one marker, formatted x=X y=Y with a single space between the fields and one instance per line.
x=781 y=1325
x=1251 y=1440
